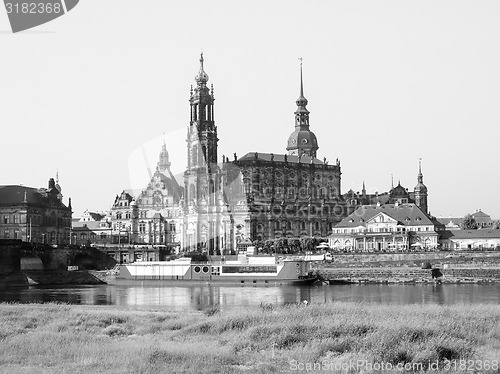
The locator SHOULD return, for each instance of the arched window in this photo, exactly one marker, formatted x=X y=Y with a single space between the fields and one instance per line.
x=192 y=192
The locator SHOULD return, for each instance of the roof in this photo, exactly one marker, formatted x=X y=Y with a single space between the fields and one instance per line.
x=471 y=234
x=405 y=214
x=258 y=156
x=90 y=225
x=16 y=194
x=450 y=221
x=480 y=214
x=93 y=215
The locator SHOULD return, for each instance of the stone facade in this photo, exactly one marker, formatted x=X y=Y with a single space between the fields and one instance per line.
x=35 y=215
x=155 y=216
x=91 y=227
x=205 y=221
x=284 y=195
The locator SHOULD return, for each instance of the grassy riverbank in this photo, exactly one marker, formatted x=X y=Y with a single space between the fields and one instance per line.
x=55 y=338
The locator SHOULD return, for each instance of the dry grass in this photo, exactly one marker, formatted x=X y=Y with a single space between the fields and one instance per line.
x=53 y=338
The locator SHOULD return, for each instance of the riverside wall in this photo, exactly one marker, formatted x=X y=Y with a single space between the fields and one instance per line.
x=457 y=267
x=368 y=259
x=408 y=275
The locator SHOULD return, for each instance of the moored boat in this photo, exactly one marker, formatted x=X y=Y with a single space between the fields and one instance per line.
x=247 y=271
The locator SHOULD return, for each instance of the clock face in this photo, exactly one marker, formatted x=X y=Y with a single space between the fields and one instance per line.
x=293 y=141
x=304 y=141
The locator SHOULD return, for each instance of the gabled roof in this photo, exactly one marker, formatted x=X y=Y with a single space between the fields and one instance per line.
x=404 y=214
x=380 y=214
x=450 y=221
x=94 y=216
x=480 y=214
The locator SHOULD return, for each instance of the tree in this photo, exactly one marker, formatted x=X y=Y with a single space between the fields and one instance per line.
x=307 y=243
x=469 y=223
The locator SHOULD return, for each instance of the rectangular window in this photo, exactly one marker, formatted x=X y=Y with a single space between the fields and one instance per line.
x=16 y=219
x=6 y=234
x=6 y=219
x=142 y=227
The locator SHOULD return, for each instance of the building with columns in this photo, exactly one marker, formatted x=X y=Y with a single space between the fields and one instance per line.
x=386 y=228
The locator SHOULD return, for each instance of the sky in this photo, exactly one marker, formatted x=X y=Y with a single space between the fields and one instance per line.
x=93 y=94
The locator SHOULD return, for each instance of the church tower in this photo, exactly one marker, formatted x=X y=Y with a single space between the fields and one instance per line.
x=202 y=132
x=302 y=141
x=164 y=161
x=202 y=178
x=420 y=190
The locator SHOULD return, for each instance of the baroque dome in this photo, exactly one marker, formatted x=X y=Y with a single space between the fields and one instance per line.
x=302 y=139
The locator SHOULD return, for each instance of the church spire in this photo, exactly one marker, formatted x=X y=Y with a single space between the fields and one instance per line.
x=302 y=141
x=420 y=176
x=420 y=190
x=202 y=132
x=301 y=114
x=202 y=77
x=164 y=161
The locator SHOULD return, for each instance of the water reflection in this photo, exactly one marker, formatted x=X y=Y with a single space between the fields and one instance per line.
x=201 y=296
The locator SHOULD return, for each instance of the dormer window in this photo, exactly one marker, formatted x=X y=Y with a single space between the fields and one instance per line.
x=351 y=220
x=419 y=219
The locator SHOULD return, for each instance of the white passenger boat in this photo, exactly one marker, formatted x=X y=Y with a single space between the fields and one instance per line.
x=248 y=271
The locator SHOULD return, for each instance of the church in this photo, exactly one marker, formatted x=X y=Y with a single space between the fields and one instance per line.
x=226 y=206
x=260 y=195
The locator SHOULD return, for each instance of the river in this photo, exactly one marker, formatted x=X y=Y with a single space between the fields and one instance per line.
x=199 y=297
